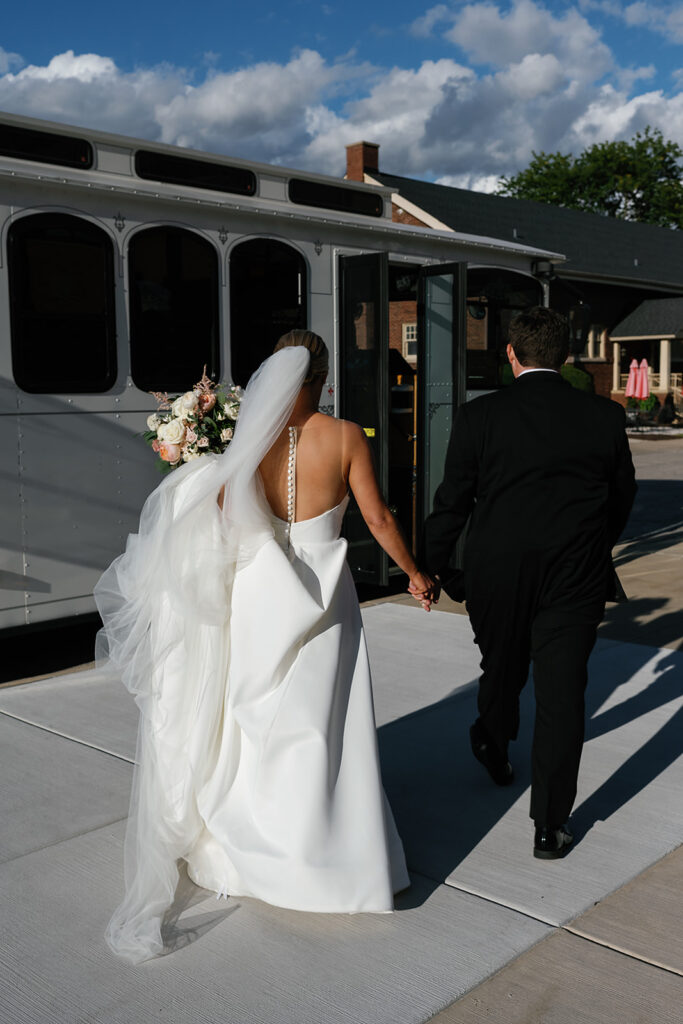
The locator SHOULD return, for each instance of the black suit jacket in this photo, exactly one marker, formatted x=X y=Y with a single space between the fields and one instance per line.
x=539 y=469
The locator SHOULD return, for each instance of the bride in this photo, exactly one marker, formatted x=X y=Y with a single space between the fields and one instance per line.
x=233 y=619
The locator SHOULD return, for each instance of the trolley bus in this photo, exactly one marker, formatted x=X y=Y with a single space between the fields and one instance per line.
x=127 y=266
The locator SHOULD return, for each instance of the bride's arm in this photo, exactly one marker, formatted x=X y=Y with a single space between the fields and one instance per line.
x=379 y=520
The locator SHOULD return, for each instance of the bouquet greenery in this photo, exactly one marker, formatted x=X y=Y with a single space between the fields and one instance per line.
x=192 y=424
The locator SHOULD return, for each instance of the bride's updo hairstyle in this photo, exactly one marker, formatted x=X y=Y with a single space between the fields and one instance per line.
x=317 y=349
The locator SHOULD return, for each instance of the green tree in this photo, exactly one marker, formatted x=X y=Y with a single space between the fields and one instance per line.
x=638 y=180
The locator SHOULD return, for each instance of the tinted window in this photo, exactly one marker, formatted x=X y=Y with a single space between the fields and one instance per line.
x=181 y=170
x=61 y=279
x=335 y=197
x=27 y=144
x=173 y=281
x=267 y=299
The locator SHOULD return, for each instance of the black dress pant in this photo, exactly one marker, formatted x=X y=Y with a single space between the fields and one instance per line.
x=535 y=609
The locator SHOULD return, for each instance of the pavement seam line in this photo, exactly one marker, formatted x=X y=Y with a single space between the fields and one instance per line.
x=489 y=899
x=58 y=842
x=620 y=949
x=652 y=533
x=65 y=736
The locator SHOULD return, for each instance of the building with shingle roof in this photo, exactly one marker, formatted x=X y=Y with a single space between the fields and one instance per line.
x=614 y=269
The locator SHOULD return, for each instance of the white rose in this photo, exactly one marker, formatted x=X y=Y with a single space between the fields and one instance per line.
x=233 y=410
x=203 y=442
x=226 y=434
x=177 y=408
x=153 y=422
x=189 y=401
x=172 y=432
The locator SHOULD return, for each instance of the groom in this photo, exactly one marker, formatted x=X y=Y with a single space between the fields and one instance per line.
x=545 y=473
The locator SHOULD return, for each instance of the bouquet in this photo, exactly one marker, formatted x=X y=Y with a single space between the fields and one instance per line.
x=200 y=421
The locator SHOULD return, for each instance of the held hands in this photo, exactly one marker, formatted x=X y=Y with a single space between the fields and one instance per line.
x=424 y=589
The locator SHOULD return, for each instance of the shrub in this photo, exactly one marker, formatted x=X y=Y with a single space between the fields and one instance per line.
x=578 y=378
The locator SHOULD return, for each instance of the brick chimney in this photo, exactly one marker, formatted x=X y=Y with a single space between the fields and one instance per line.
x=361 y=157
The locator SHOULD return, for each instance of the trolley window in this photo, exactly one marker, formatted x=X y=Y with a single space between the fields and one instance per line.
x=45 y=147
x=268 y=298
x=182 y=170
x=335 y=197
x=174 y=292
x=62 y=313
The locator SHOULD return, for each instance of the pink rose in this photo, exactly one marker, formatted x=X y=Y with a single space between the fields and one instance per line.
x=190 y=436
x=155 y=445
x=169 y=452
x=206 y=403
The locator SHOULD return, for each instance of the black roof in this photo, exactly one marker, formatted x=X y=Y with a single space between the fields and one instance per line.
x=596 y=247
x=654 y=318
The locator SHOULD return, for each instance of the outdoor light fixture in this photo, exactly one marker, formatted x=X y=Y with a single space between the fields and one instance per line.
x=543 y=270
x=477 y=310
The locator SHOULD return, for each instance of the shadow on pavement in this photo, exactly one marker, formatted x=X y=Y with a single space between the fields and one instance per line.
x=178 y=931
x=658 y=505
x=634 y=621
x=445 y=803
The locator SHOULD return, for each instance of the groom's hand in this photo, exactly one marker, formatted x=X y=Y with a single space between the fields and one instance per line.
x=424 y=589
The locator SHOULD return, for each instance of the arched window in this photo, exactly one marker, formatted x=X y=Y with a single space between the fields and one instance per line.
x=174 y=331
x=61 y=283
x=268 y=291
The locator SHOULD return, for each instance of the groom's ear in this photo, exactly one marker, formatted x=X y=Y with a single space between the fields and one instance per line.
x=510 y=354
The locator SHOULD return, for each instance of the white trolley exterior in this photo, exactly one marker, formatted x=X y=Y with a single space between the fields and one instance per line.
x=74 y=470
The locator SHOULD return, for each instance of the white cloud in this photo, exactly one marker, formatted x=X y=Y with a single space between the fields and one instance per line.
x=663 y=18
x=84 y=68
x=474 y=182
x=424 y=25
x=544 y=81
x=393 y=113
x=9 y=60
x=533 y=76
x=497 y=37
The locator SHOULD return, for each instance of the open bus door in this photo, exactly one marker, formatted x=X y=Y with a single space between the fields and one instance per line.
x=365 y=396
x=364 y=389
x=441 y=372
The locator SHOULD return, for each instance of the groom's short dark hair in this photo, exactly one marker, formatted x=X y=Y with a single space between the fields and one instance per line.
x=540 y=337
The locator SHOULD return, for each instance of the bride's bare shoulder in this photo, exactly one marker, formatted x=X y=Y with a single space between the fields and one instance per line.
x=323 y=421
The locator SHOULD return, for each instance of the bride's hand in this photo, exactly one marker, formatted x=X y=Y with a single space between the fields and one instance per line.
x=424 y=589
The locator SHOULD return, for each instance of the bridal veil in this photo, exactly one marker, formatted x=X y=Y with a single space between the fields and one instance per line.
x=165 y=603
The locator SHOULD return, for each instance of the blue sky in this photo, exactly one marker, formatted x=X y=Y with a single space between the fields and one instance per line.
x=455 y=92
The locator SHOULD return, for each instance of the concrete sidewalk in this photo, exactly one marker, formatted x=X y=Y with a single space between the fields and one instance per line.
x=486 y=933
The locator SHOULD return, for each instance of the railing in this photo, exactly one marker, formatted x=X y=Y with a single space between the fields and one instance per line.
x=655 y=381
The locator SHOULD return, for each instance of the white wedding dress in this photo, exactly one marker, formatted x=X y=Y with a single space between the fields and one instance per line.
x=241 y=637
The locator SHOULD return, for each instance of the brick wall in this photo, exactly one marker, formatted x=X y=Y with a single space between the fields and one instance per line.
x=602 y=377
x=400 y=313
x=401 y=217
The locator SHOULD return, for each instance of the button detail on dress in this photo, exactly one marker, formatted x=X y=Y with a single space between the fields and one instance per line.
x=291 y=484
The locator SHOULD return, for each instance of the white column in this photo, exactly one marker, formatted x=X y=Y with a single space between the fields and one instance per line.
x=604 y=338
x=665 y=364
x=616 y=366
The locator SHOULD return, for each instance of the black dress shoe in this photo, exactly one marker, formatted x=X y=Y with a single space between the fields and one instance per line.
x=551 y=843
x=486 y=752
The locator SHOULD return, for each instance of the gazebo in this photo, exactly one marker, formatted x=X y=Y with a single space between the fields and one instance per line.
x=653 y=331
